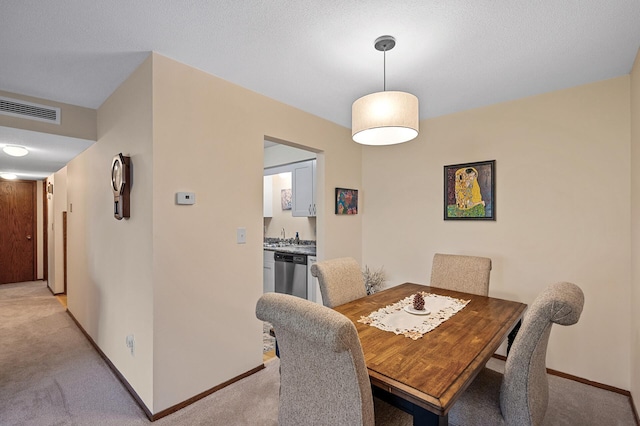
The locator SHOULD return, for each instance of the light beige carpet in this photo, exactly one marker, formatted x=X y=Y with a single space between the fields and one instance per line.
x=51 y=375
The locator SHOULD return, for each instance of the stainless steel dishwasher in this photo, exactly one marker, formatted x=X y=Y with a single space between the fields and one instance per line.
x=291 y=274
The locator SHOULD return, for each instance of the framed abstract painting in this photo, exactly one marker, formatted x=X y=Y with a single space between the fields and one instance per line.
x=470 y=191
x=346 y=201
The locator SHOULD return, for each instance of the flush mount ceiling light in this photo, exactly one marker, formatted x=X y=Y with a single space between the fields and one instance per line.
x=385 y=118
x=8 y=176
x=15 y=150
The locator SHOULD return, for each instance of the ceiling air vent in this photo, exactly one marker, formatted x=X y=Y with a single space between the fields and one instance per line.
x=29 y=110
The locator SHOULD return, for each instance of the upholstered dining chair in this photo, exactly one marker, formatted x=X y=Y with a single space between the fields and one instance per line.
x=520 y=396
x=340 y=280
x=469 y=274
x=323 y=375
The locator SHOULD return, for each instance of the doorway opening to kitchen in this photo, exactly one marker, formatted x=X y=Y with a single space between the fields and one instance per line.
x=290 y=215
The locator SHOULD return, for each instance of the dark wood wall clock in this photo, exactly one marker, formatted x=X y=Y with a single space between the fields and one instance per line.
x=121 y=185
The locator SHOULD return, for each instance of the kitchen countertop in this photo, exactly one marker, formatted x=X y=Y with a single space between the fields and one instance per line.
x=305 y=249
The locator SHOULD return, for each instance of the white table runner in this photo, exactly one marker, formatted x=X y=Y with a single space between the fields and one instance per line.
x=395 y=319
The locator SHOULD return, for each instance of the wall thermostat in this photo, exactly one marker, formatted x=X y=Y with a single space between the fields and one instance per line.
x=185 y=198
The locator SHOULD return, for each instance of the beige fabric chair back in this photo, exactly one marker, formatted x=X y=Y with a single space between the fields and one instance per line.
x=524 y=394
x=323 y=376
x=340 y=281
x=469 y=274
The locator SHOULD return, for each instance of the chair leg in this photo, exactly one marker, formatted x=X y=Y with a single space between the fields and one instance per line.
x=273 y=334
x=512 y=336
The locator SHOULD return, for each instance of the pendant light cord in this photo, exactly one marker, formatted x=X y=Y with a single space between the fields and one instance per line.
x=384 y=72
x=384 y=43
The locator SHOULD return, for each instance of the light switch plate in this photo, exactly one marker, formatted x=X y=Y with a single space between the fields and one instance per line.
x=185 y=198
x=241 y=234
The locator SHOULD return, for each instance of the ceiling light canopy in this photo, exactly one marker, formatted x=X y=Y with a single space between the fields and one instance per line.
x=8 y=176
x=385 y=118
x=15 y=150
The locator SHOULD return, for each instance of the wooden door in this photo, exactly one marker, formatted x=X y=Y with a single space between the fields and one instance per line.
x=17 y=231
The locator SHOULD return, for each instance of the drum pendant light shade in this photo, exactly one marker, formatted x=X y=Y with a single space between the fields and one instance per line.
x=385 y=118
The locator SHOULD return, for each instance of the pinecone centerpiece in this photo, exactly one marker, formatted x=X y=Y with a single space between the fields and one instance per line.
x=418 y=302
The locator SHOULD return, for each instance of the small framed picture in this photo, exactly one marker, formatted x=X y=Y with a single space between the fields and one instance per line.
x=346 y=201
x=470 y=191
x=285 y=199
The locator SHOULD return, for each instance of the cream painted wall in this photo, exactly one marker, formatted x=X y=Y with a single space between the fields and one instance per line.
x=635 y=232
x=173 y=275
x=206 y=285
x=563 y=211
x=56 y=256
x=110 y=275
x=305 y=226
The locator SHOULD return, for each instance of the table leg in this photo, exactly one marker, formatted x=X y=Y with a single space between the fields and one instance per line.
x=421 y=417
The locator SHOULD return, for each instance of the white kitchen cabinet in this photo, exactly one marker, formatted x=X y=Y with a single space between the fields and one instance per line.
x=267 y=196
x=303 y=187
x=268 y=272
x=313 y=288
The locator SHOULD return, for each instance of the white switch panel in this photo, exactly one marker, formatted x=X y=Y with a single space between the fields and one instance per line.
x=241 y=235
x=131 y=343
x=185 y=197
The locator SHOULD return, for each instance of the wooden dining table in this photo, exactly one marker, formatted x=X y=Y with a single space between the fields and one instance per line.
x=425 y=377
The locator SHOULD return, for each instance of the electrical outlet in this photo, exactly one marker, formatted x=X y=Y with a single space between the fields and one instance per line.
x=131 y=343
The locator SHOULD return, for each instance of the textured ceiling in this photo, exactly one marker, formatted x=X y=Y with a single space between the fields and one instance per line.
x=318 y=55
